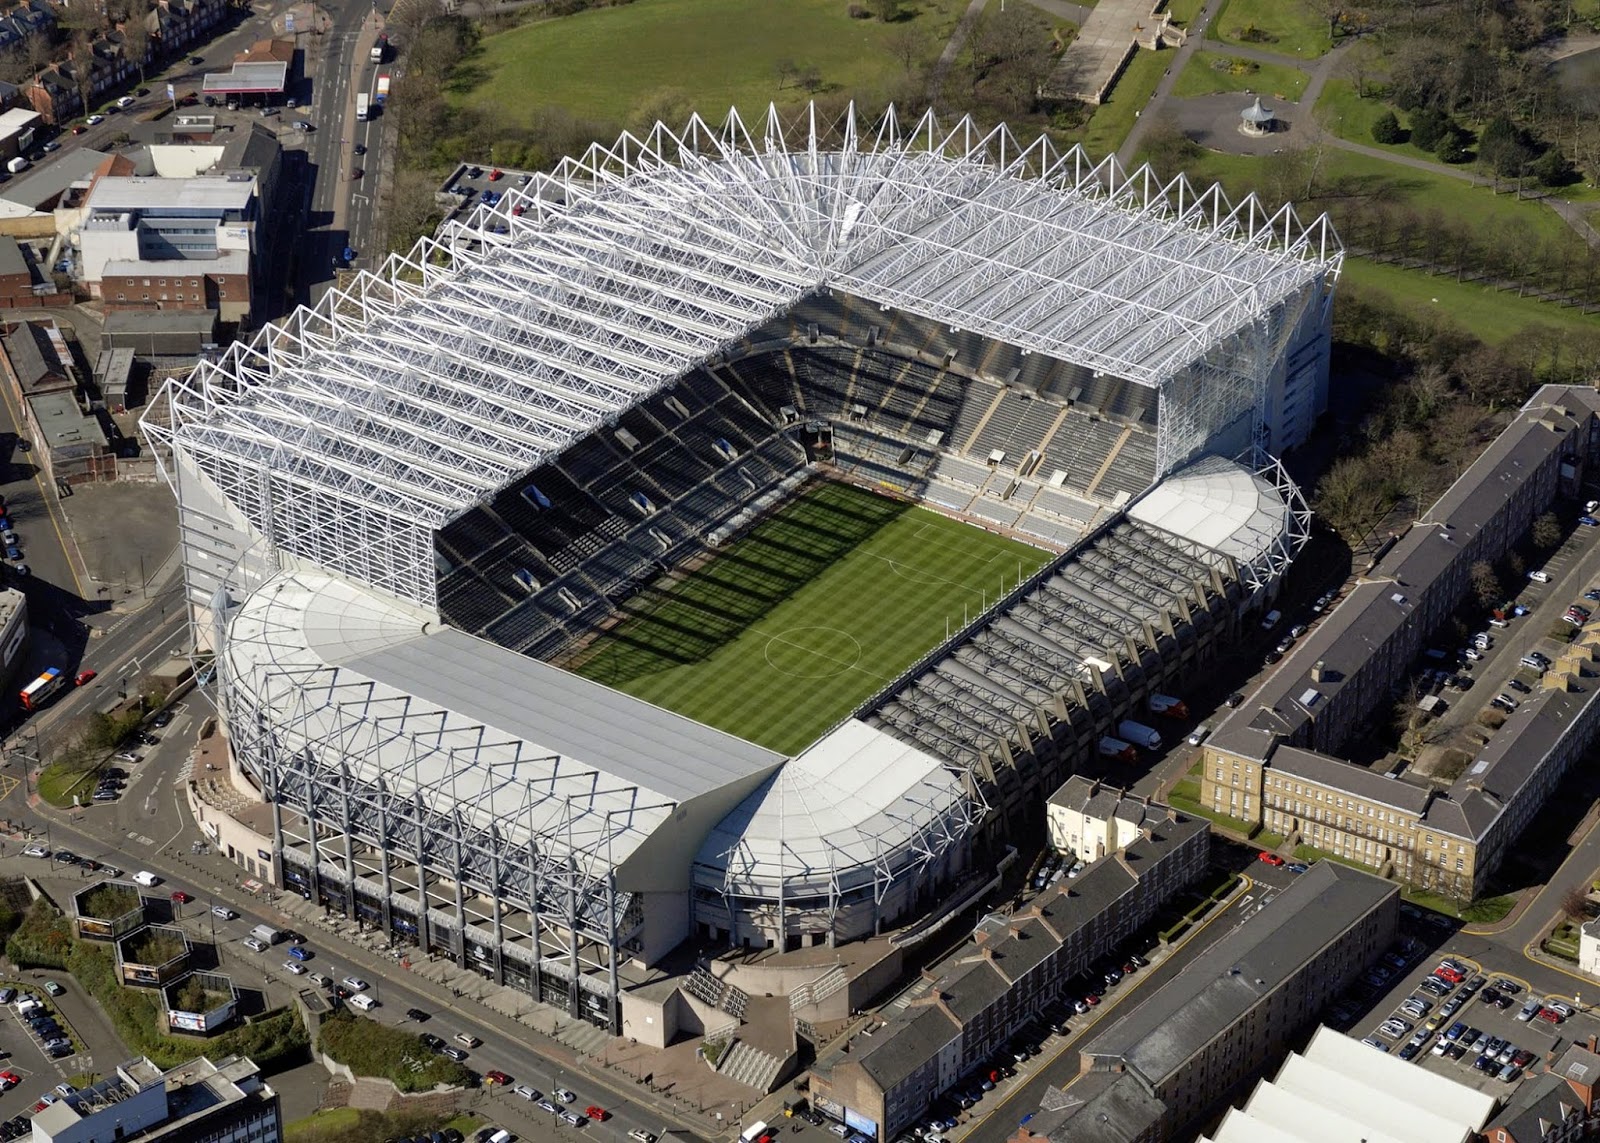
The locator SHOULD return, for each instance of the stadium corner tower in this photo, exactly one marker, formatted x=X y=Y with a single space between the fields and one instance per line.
x=409 y=512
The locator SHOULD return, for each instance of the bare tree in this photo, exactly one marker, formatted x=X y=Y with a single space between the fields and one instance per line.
x=908 y=44
x=1359 y=64
x=1485 y=582
x=788 y=72
x=136 y=34
x=1575 y=903
x=14 y=67
x=1546 y=531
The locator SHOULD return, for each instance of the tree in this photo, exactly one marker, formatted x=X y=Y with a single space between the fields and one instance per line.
x=1386 y=128
x=908 y=45
x=1360 y=61
x=887 y=10
x=1429 y=128
x=1167 y=148
x=409 y=17
x=1575 y=903
x=1485 y=583
x=788 y=72
x=136 y=35
x=1546 y=531
x=14 y=67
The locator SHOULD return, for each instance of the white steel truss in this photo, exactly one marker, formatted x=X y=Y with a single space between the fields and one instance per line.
x=349 y=432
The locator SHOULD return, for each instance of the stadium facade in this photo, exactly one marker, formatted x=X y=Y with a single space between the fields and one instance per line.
x=403 y=507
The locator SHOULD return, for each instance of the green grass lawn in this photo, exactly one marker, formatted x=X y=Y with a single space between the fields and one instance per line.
x=1493 y=316
x=1293 y=29
x=1113 y=119
x=1185 y=12
x=606 y=62
x=819 y=606
x=1209 y=72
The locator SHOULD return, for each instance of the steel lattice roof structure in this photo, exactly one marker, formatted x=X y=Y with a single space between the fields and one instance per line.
x=350 y=432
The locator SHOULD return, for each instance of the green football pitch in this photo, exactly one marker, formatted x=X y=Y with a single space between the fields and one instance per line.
x=780 y=635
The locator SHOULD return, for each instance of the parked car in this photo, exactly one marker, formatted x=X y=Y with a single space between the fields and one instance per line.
x=254 y=945
x=1269 y=858
x=354 y=984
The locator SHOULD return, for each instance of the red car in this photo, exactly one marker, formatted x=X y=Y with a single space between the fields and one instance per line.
x=496 y=175
x=1445 y=972
x=181 y=897
x=598 y=1114
x=10 y=1079
x=497 y=1077
x=83 y=677
x=1550 y=1014
x=1269 y=858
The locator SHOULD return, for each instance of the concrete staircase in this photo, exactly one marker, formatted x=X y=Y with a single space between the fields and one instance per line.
x=750 y=1066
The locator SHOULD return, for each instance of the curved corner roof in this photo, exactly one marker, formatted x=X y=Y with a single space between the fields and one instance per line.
x=502 y=738
x=1221 y=505
x=856 y=804
x=411 y=394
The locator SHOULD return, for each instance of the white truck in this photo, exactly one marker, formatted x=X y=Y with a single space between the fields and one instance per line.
x=268 y=935
x=379 y=48
x=363 y=107
x=1139 y=734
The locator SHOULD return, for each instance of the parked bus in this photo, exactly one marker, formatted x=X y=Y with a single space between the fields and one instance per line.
x=38 y=692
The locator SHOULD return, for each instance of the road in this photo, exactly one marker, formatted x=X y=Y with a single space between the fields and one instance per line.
x=150 y=829
x=1057 y=1065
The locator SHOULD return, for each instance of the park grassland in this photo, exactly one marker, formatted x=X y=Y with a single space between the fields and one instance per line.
x=818 y=607
x=1292 y=28
x=607 y=63
x=1207 y=73
x=1114 y=119
x=1494 y=316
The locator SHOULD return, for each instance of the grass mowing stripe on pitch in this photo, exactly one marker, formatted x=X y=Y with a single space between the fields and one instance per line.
x=786 y=631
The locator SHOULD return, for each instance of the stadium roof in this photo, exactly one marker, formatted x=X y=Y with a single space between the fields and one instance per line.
x=1231 y=509
x=856 y=801
x=415 y=391
x=504 y=738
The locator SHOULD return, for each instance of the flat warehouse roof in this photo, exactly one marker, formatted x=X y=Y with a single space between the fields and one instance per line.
x=247 y=78
x=134 y=193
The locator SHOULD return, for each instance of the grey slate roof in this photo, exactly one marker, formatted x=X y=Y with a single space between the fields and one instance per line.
x=1227 y=979
x=1104 y=1107
x=625 y=738
x=1358 y=780
x=1538 y=1102
x=11 y=259
x=898 y=1050
x=1370 y=614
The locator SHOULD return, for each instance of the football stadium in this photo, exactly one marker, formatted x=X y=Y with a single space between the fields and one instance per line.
x=736 y=531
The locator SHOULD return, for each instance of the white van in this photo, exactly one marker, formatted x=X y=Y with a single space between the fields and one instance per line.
x=361 y=1002
x=1201 y=733
x=18 y=165
x=1539 y=575
x=501 y=1136
x=147 y=879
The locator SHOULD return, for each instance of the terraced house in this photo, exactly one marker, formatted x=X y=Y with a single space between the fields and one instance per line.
x=976 y=1000
x=1273 y=760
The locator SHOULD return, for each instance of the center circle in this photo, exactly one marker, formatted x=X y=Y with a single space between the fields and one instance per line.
x=813 y=652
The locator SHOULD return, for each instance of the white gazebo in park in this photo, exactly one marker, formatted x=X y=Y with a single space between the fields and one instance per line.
x=1256 y=119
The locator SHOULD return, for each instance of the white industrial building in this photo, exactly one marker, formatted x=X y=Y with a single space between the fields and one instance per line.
x=1339 y=1089
x=139 y=219
x=400 y=505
